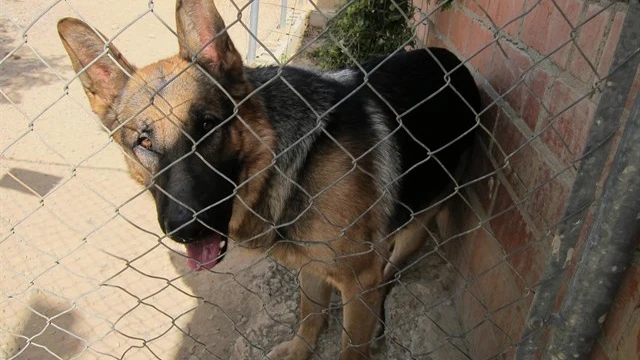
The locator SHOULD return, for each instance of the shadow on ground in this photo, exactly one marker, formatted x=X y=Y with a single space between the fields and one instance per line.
x=47 y=331
x=29 y=181
x=227 y=301
x=22 y=70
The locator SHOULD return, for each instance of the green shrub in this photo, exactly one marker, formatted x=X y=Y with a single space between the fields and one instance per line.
x=366 y=28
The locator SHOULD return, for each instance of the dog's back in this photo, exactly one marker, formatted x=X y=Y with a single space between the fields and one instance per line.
x=419 y=103
x=438 y=100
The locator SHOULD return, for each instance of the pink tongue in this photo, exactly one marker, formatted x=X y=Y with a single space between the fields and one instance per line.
x=204 y=254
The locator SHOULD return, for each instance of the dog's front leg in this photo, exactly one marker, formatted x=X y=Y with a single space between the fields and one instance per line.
x=314 y=301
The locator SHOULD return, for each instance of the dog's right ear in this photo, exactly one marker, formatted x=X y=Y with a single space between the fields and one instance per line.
x=104 y=79
x=202 y=35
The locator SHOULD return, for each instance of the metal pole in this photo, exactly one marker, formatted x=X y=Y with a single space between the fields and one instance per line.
x=253 y=27
x=608 y=252
x=283 y=14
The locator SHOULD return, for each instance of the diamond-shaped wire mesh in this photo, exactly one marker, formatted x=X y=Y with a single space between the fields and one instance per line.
x=86 y=271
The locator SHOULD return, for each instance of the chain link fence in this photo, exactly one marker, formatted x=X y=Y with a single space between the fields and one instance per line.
x=545 y=217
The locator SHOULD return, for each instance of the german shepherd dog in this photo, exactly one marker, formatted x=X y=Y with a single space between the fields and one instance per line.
x=335 y=174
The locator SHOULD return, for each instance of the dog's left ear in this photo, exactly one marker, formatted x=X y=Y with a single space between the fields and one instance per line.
x=108 y=71
x=202 y=35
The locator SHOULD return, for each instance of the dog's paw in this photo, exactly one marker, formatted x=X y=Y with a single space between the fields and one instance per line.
x=294 y=349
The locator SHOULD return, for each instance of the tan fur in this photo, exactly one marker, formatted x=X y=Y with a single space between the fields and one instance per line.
x=258 y=155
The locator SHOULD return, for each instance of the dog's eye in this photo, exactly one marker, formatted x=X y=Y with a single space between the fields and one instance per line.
x=145 y=142
x=146 y=153
x=209 y=122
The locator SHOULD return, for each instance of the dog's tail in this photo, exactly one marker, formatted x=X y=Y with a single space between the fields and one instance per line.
x=450 y=218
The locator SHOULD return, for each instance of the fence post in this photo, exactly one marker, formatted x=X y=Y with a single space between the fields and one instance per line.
x=608 y=252
x=253 y=28
x=283 y=14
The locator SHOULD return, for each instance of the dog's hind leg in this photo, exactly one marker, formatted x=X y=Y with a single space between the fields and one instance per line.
x=315 y=294
x=407 y=241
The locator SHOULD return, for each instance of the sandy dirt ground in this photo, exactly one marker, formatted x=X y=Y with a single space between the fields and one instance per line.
x=84 y=270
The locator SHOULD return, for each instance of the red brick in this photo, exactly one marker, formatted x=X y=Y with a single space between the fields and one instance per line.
x=548 y=198
x=506 y=12
x=612 y=44
x=523 y=166
x=535 y=26
x=575 y=130
x=517 y=63
x=583 y=65
x=508 y=224
x=520 y=60
x=545 y=29
x=552 y=138
x=523 y=162
x=488 y=121
x=571 y=122
x=490 y=111
x=422 y=25
x=483 y=252
x=485 y=341
x=511 y=319
x=434 y=40
x=422 y=6
x=513 y=146
x=430 y=6
x=531 y=110
x=560 y=29
x=480 y=167
x=507 y=134
x=508 y=73
x=421 y=32
x=529 y=262
x=459 y=29
x=473 y=311
x=480 y=47
x=454 y=250
x=442 y=20
x=502 y=76
x=495 y=138
x=477 y=6
x=538 y=83
x=499 y=287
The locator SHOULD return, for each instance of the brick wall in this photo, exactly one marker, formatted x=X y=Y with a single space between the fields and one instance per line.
x=541 y=65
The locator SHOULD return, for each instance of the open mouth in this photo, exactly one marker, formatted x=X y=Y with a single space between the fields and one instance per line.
x=206 y=253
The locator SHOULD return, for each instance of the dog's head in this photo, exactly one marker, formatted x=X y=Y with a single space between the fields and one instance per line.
x=177 y=121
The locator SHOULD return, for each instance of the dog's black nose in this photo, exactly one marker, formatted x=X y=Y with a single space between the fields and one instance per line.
x=183 y=227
